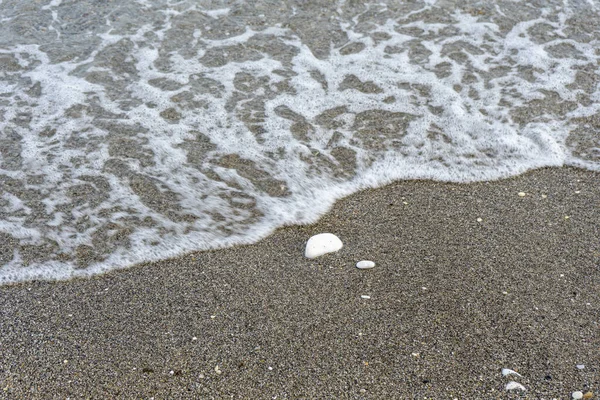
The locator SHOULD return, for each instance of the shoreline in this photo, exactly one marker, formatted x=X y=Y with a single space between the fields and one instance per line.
x=453 y=300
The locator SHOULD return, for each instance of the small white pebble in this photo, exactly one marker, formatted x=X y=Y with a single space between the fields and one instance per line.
x=365 y=264
x=504 y=292
x=512 y=385
x=414 y=354
x=218 y=370
x=213 y=316
x=522 y=194
x=423 y=288
x=544 y=196
x=578 y=191
x=405 y=203
x=65 y=361
x=322 y=243
x=201 y=376
x=364 y=296
x=194 y=338
x=171 y=372
x=562 y=275
x=507 y=371
x=479 y=219
x=363 y=390
x=580 y=366
x=577 y=395
x=270 y=368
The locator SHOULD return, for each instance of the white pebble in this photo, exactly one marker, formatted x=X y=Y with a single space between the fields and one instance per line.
x=577 y=395
x=506 y=371
x=322 y=243
x=364 y=296
x=580 y=366
x=365 y=264
x=512 y=385
x=479 y=219
x=522 y=194
x=218 y=370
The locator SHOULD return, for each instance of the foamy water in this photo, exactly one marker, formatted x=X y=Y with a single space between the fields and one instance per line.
x=139 y=130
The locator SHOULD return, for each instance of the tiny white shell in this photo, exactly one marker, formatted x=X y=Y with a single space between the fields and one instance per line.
x=506 y=371
x=514 y=385
x=365 y=264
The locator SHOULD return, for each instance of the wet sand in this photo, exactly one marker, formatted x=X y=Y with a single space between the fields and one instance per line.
x=453 y=300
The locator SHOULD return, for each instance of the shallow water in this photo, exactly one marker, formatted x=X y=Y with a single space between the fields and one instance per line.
x=139 y=130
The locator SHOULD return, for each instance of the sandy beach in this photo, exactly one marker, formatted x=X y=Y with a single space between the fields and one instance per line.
x=470 y=279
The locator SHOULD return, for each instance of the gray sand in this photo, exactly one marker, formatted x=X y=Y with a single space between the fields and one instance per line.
x=453 y=301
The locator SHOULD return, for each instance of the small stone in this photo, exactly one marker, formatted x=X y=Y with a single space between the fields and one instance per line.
x=363 y=390
x=194 y=339
x=365 y=264
x=322 y=243
x=201 y=376
x=577 y=395
x=580 y=366
x=218 y=370
x=544 y=196
x=512 y=385
x=522 y=194
x=588 y=395
x=270 y=368
x=364 y=296
x=479 y=219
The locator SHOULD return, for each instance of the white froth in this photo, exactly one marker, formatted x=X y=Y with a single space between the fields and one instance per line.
x=478 y=136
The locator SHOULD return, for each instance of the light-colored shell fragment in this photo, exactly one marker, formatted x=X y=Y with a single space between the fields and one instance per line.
x=322 y=243
x=506 y=371
x=365 y=264
x=512 y=385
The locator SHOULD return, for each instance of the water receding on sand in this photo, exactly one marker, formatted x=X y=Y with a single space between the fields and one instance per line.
x=138 y=130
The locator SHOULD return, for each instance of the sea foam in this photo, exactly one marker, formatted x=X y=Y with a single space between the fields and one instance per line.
x=143 y=130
